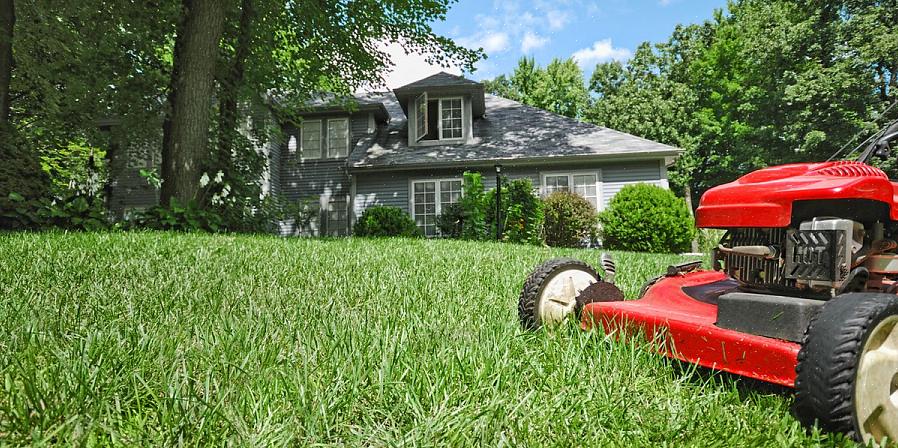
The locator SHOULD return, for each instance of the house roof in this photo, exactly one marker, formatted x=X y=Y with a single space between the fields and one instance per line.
x=441 y=79
x=443 y=84
x=326 y=104
x=508 y=132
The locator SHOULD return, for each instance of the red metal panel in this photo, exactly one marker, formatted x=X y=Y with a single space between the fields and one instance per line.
x=689 y=333
x=764 y=198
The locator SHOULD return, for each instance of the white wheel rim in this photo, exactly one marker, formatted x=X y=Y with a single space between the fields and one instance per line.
x=559 y=296
x=876 y=388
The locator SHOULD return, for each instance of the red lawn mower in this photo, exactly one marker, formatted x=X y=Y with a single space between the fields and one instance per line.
x=803 y=291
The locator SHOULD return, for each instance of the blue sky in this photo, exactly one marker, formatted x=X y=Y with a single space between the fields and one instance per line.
x=590 y=31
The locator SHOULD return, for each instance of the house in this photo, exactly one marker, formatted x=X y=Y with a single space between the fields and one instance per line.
x=409 y=147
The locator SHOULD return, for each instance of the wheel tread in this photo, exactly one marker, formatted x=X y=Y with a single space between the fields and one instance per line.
x=828 y=360
x=528 y=300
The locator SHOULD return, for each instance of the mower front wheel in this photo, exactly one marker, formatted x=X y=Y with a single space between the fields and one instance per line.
x=550 y=292
x=847 y=372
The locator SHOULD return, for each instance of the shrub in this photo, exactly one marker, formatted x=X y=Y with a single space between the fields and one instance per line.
x=177 y=216
x=522 y=212
x=22 y=183
x=385 y=221
x=647 y=218
x=451 y=221
x=70 y=211
x=473 y=224
x=569 y=219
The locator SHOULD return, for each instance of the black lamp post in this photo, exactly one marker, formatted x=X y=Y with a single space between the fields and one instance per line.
x=498 y=202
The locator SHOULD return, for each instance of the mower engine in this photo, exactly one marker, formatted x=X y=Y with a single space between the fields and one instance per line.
x=821 y=258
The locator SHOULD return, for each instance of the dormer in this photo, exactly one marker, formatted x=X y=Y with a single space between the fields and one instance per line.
x=441 y=109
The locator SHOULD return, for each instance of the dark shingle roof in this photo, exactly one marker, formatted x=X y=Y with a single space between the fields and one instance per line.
x=509 y=131
x=359 y=102
x=441 y=79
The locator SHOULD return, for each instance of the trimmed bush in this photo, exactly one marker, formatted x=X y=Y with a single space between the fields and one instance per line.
x=570 y=220
x=385 y=221
x=647 y=218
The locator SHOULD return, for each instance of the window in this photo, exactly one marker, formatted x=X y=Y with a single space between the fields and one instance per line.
x=337 y=217
x=428 y=199
x=450 y=118
x=555 y=183
x=585 y=184
x=421 y=126
x=311 y=139
x=337 y=137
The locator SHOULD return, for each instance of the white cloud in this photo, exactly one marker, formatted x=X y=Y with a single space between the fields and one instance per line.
x=664 y=2
x=409 y=68
x=491 y=42
x=557 y=19
x=601 y=51
x=532 y=41
x=495 y=42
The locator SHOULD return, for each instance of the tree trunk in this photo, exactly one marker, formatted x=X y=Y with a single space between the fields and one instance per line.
x=232 y=80
x=7 y=22
x=186 y=128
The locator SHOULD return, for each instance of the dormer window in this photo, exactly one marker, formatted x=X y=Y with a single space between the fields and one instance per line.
x=438 y=119
x=450 y=118
x=441 y=109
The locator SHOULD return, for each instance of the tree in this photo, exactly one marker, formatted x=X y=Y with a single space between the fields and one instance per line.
x=561 y=89
x=7 y=25
x=186 y=128
x=290 y=50
x=558 y=88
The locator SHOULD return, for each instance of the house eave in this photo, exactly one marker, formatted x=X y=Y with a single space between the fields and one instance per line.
x=517 y=162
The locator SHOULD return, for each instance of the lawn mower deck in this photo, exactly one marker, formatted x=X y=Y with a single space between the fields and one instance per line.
x=680 y=312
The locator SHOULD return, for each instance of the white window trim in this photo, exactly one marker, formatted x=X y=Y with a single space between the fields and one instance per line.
x=440 y=118
x=437 y=202
x=570 y=181
x=418 y=119
x=327 y=138
x=302 y=144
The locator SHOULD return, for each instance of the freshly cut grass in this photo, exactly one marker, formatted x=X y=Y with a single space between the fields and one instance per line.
x=163 y=339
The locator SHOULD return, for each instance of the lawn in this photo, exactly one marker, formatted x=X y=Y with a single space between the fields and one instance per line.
x=161 y=339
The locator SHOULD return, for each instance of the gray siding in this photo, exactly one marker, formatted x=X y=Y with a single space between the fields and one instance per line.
x=616 y=177
x=392 y=188
x=324 y=182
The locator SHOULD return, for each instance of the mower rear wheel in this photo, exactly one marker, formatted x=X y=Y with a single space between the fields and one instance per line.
x=550 y=292
x=847 y=372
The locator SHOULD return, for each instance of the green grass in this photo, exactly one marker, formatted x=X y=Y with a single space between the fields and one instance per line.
x=164 y=339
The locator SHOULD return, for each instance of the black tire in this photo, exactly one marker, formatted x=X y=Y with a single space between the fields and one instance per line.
x=828 y=360
x=528 y=303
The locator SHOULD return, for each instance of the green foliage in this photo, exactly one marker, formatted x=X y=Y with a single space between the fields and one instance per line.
x=557 y=88
x=179 y=217
x=451 y=220
x=570 y=220
x=647 y=218
x=381 y=221
x=71 y=212
x=473 y=224
x=522 y=212
x=75 y=166
x=20 y=176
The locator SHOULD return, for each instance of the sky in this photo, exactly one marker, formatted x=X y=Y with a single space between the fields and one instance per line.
x=591 y=31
